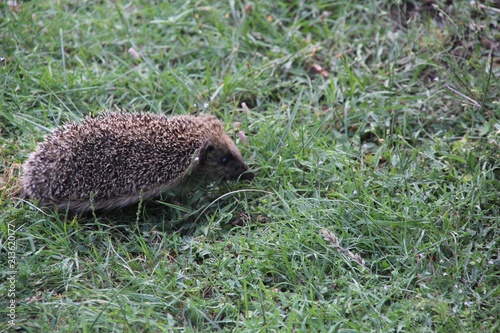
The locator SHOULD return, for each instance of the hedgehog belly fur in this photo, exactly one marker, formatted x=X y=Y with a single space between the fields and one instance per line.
x=117 y=159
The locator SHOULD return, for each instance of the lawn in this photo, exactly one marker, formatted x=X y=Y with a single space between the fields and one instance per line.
x=373 y=129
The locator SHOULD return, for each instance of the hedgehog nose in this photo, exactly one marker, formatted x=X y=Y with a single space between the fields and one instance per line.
x=247 y=176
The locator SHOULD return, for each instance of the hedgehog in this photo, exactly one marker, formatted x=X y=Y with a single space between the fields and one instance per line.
x=118 y=159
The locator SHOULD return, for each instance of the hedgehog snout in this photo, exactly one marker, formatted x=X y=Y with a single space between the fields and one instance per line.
x=247 y=176
x=241 y=173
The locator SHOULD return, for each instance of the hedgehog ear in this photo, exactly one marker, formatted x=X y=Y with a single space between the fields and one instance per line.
x=206 y=151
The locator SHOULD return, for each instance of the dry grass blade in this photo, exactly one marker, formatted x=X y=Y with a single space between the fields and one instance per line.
x=473 y=101
x=334 y=241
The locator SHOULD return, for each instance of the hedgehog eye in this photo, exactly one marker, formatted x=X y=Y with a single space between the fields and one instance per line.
x=224 y=160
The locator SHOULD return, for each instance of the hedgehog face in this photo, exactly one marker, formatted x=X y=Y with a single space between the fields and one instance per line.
x=224 y=162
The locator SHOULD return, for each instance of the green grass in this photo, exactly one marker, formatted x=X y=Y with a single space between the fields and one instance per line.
x=352 y=131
